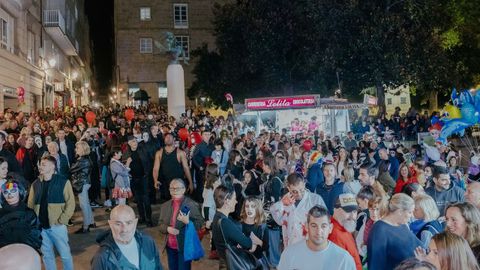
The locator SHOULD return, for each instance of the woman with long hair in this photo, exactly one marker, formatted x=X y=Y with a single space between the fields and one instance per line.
x=342 y=161
x=27 y=158
x=463 y=219
x=448 y=251
x=235 y=165
x=253 y=221
x=404 y=178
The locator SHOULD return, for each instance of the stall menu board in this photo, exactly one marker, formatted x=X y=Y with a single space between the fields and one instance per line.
x=276 y=103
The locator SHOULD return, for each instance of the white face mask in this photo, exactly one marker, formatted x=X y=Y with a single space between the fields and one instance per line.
x=145 y=137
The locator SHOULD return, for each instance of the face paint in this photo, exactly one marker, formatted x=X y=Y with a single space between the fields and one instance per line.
x=250 y=209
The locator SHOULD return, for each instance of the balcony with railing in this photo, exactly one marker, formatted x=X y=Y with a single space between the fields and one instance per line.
x=54 y=24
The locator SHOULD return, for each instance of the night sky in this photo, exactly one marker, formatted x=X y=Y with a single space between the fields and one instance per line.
x=100 y=16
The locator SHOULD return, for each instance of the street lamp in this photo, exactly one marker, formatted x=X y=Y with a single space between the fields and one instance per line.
x=87 y=85
x=114 y=89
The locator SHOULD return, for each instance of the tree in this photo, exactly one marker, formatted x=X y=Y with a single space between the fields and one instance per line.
x=280 y=47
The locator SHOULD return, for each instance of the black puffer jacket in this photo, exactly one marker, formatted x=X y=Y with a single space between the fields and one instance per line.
x=80 y=173
x=19 y=225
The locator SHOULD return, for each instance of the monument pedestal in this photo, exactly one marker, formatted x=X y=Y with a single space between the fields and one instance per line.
x=176 y=90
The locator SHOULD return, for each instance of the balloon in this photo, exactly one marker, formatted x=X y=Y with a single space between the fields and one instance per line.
x=453 y=112
x=307 y=145
x=455 y=126
x=90 y=116
x=129 y=114
x=195 y=138
x=183 y=134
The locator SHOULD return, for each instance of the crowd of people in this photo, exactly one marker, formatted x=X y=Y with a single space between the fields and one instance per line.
x=267 y=200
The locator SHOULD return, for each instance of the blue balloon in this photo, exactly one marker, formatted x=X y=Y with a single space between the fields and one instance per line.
x=468 y=113
x=454 y=126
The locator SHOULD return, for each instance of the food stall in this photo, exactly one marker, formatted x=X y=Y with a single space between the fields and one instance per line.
x=298 y=114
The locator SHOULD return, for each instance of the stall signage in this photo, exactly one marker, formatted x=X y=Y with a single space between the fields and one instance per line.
x=276 y=103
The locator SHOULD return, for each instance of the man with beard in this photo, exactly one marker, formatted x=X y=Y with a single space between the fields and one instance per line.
x=344 y=221
x=444 y=191
x=291 y=211
x=170 y=163
x=317 y=252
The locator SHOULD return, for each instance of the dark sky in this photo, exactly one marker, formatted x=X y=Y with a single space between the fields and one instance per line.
x=100 y=16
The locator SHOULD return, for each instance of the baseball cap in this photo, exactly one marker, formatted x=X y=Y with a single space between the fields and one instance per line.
x=347 y=202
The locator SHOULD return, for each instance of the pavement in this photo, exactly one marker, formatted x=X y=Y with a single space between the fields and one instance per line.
x=84 y=247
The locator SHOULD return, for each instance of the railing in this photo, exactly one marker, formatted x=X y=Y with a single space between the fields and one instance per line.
x=53 y=18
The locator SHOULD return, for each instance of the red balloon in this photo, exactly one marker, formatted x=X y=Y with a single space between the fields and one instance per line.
x=90 y=116
x=183 y=134
x=307 y=145
x=129 y=114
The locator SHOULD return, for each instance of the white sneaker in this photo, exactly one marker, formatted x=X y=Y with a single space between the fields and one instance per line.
x=107 y=203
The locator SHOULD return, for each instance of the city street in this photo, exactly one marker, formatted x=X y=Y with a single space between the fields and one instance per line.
x=83 y=246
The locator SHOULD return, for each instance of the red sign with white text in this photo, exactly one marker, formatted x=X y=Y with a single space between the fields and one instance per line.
x=276 y=103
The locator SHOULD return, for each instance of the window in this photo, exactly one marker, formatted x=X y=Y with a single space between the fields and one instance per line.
x=162 y=90
x=6 y=31
x=389 y=101
x=145 y=14
x=180 y=15
x=146 y=45
x=403 y=100
x=184 y=42
x=31 y=47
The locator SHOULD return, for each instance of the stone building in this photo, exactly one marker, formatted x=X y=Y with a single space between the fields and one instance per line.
x=139 y=25
x=45 y=51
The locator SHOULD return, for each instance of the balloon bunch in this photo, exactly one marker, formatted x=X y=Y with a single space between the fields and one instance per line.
x=462 y=114
x=21 y=95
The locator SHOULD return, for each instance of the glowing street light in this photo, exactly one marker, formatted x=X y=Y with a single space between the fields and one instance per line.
x=74 y=75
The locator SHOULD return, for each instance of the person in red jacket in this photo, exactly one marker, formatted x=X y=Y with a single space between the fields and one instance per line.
x=404 y=179
x=344 y=221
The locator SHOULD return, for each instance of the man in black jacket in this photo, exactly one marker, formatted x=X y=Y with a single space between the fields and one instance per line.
x=124 y=246
x=139 y=167
x=202 y=151
x=66 y=147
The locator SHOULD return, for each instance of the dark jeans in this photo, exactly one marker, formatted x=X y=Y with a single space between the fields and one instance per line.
x=198 y=176
x=95 y=189
x=143 y=200
x=152 y=191
x=175 y=260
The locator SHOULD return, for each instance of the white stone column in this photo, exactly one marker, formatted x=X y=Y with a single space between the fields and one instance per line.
x=176 y=90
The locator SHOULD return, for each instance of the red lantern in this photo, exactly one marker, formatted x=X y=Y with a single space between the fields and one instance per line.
x=129 y=114
x=90 y=116
x=307 y=145
x=183 y=134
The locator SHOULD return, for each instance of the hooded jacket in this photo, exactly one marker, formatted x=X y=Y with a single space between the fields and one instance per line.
x=109 y=255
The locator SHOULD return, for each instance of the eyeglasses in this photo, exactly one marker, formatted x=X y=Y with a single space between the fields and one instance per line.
x=176 y=188
x=9 y=191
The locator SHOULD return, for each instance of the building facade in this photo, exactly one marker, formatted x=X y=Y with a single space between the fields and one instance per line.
x=139 y=27
x=45 y=53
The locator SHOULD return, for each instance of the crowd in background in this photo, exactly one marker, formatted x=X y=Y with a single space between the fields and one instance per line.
x=273 y=199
